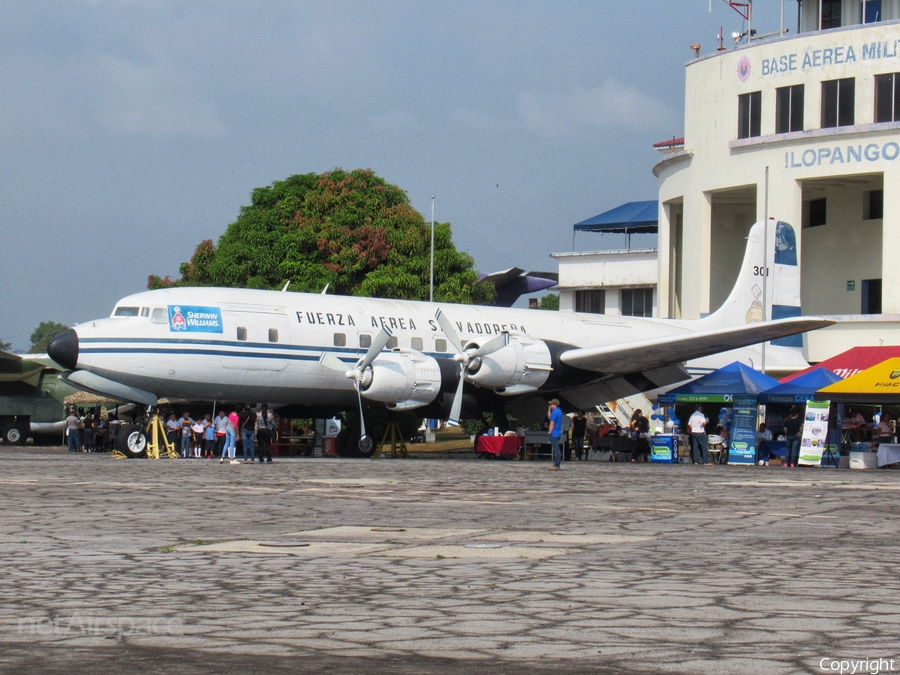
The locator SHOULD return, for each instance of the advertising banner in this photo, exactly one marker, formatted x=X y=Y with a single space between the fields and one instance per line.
x=742 y=449
x=184 y=319
x=815 y=433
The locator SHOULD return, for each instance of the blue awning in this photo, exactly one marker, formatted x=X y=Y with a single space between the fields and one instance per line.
x=735 y=378
x=630 y=218
x=800 y=389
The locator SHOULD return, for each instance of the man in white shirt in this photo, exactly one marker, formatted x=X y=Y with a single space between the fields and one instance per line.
x=699 y=441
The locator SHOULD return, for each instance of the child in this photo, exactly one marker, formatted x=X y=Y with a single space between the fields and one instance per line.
x=197 y=431
x=209 y=438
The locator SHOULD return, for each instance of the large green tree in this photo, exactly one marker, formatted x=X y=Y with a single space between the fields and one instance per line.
x=350 y=230
x=45 y=331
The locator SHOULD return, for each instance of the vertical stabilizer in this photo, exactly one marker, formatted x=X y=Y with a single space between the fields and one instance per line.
x=778 y=274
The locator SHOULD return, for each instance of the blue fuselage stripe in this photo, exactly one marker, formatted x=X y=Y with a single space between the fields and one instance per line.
x=248 y=349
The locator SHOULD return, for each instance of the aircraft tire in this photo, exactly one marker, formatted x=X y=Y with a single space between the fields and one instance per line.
x=366 y=448
x=131 y=441
x=15 y=434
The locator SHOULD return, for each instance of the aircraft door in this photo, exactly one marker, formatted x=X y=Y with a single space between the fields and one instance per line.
x=261 y=338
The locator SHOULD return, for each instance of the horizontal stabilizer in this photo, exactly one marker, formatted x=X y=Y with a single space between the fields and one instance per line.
x=642 y=355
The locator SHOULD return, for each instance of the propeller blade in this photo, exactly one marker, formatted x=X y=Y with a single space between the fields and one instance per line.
x=457 y=402
x=333 y=362
x=362 y=418
x=447 y=326
x=494 y=345
x=378 y=343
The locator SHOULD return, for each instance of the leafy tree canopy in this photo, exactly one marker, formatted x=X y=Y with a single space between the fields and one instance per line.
x=5 y=346
x=351 y=230
x=550 y=302
x=45 y=331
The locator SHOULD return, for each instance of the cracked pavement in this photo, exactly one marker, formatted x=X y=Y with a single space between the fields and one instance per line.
x=442 y=566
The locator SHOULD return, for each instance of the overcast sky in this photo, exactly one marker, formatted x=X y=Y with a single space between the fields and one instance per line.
x=132 y=130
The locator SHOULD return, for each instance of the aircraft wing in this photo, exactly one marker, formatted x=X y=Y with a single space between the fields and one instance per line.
x=643 y=355
x=17 y=368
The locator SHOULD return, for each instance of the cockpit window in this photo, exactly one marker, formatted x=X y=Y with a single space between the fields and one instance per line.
x=145 y=311
x=160 y=315
x=127 y=311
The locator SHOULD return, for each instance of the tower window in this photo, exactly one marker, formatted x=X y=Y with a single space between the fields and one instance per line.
x=590 y=302
x=789 y=109
x=749 y=107
x=637 y=302
x=817 y=212
x=887 y=97
x=838 y=101
x=831 y=14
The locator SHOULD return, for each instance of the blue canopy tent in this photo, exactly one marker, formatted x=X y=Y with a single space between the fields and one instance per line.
x=721 y=384
x=627 y=219
x=735 y=384
x=800 y=389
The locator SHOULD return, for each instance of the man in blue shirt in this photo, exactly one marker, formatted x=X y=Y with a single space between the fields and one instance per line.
x=555 y=415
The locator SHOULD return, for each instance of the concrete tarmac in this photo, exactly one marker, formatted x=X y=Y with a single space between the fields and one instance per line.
x=442 y=566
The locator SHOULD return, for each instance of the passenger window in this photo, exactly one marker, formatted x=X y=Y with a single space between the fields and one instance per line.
x=273 y=335
x=242 y=334
x=126 y=311
x=392 y=342
x=440 y=345
x=365 y=341
x=145 y=311
x=160 y=315
x=416 y=343
x=340 y=340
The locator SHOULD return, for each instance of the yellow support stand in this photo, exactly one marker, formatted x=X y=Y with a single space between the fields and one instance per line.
x=155 y=430
x=394 y=431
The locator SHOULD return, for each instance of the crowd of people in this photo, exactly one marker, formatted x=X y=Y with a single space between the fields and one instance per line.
x=203 y=438
x=86 y=432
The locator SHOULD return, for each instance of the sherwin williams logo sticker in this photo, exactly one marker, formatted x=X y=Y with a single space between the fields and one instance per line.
x=743 y=69
x=184 y=319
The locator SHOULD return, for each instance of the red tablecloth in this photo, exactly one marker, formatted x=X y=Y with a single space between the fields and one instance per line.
x=499 y=445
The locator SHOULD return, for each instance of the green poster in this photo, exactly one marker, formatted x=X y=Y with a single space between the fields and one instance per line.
x=815 y=433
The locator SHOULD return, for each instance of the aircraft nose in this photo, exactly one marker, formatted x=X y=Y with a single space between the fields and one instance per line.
x=64 y=349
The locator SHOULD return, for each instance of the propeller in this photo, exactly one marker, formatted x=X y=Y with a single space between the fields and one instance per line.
x=357 y=373
x=465 y=357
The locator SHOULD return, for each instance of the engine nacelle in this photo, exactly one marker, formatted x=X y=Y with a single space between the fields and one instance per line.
x=522 y=366
x=402 y=379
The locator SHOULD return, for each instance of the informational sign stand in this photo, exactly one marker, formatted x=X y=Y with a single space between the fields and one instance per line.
x=664 y=449
x=815 y=433
x=742 y=449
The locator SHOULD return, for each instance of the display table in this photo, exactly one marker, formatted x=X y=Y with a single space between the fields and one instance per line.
x=771 y=450
x=888 y=453
x=505 y=446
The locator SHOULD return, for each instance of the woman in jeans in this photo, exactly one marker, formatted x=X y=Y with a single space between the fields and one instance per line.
x=231 y=436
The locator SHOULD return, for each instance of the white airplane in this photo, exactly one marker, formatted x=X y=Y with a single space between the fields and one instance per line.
x=329 y=353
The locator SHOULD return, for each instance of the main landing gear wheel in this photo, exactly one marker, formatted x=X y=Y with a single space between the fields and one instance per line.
x=15 y=434
x=366 y=447
x=349 y=444
x=131 y=441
